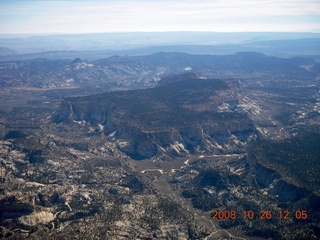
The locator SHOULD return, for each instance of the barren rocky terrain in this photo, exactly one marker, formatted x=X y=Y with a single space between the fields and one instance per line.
x=144 y=148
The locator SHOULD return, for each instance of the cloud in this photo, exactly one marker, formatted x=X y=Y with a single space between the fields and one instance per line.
x=165 y=15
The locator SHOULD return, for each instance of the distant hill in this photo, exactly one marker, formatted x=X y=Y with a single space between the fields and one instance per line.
x=128 y=72
x=38 y=47
x=6 y=52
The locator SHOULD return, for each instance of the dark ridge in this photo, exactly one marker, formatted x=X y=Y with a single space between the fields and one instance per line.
x=177 y=78
x=77 y=60
x=296 y=158
x=14 y=135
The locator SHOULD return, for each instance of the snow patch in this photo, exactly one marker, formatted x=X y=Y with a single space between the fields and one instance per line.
x=101 y=127
x=178 y=147
x=250 y=106
x=151 y=170
x=224 y=107
x=123 y=143
x=82 y=123
x=161 y=148
x=112 y=134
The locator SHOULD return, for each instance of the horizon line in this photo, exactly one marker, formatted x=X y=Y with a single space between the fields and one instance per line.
x=142 y=32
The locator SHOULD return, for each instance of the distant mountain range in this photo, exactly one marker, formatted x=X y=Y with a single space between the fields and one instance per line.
x=95 y=46
x=127 y=72
x=7 y=52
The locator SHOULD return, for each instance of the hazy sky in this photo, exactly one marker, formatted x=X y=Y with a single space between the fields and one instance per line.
x=67 y=16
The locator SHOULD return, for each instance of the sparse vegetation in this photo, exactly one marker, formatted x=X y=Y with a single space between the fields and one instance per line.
x=74 y=161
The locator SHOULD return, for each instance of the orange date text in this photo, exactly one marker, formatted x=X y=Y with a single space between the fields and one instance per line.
x=262 y=215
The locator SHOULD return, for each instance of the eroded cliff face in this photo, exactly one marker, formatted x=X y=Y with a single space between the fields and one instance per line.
x=205 y=139
x=274 y=184
x=187 y=116
x=288 y=169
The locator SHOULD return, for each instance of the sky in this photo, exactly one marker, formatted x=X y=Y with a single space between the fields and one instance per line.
x=95 y=16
